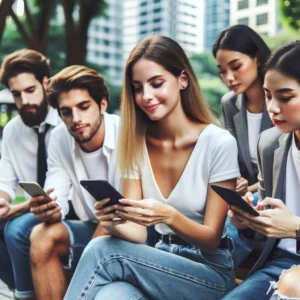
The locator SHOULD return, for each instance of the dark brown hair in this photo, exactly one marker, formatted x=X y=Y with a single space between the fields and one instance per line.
x=77 y=77
x=24 y=61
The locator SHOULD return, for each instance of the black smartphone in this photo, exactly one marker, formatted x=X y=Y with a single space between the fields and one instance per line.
x=101 y=189
x=233 y=198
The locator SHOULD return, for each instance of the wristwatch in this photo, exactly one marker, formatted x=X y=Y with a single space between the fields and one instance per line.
x=298 y=240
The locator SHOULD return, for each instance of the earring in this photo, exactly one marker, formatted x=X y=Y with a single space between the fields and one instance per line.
x=183 y=87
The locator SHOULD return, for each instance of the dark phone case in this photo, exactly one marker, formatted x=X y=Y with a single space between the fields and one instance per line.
x=233 y=198
x=101 y=189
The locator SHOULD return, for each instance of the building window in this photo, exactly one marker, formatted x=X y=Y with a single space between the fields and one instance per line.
x=156 y=1
x=106 y=55
x=106 y=42
x=143 y=13
x=261 y=19
x=106 y=30
x=143 y=3
x=157 y=10
x=143 y=23
x=243 y=4
x=261 y=2
x=244 y=21
x=157 y=20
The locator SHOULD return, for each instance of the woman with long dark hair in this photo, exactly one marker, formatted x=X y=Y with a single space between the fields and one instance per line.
x=279 y=181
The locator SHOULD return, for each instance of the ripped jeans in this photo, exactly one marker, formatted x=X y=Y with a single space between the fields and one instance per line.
x=274 y=285
x=259 y=285
x=168 y=272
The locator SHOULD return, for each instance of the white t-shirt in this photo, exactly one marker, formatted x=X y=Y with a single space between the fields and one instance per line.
x=95 y=164
x=254 y=122
x=292 y=192
x=213 y=159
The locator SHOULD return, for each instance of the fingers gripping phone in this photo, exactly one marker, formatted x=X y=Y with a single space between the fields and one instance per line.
x=233 y=198
x=34 y=189
x=101 y=189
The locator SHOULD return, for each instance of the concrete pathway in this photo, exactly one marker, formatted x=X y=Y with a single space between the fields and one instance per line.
x=5 y=293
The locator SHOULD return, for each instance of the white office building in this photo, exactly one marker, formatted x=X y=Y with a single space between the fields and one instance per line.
x=181 y=20
x=105 y=41
x=260 y=15
x=112 y=37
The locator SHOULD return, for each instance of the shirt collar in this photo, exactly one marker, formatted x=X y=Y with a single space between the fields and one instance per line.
x=52 y=118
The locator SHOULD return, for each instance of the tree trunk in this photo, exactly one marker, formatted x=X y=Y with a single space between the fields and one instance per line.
x=5 y=7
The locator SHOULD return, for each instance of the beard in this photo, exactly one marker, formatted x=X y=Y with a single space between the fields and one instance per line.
x=35 y=118
x=94 y=129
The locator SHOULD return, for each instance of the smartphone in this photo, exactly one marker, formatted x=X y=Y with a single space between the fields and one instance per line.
x=101 y=189
x=34 y=189
x=233 y=198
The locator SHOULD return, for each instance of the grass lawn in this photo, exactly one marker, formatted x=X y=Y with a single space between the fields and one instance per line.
x=19 y=199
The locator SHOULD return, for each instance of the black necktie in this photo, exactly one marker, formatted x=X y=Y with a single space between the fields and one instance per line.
x=41 y=156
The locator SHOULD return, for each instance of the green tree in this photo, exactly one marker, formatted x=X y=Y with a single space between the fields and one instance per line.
x=204 y=64
x=34 y=27
x=290 y=13
x=284 y=36
x=213 y=88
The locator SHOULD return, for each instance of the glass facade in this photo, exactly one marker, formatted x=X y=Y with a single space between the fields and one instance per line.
x=216 y=20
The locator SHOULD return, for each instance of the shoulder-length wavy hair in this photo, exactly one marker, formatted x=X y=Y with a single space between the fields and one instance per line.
x=169 y=54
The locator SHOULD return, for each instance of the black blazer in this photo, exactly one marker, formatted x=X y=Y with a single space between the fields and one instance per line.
x=235 y=120
x=273 y=148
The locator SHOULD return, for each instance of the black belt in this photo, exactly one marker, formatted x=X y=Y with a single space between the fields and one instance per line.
x=176 y=239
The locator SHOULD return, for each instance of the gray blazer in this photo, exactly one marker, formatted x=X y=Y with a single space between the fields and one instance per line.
x=235 y=119
x=273 y=148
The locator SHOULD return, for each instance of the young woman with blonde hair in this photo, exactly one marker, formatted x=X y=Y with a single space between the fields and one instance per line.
x=170 y=152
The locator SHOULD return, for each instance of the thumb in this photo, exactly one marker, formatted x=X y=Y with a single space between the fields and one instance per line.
x=248 y=197
x=3 y=202
x=270 y=201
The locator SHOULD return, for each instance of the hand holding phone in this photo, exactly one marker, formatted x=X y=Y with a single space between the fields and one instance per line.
x=102 y=189
x=45 y=209
x=34 y=189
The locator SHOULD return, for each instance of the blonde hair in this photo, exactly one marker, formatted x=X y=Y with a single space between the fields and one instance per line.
x=169 y=54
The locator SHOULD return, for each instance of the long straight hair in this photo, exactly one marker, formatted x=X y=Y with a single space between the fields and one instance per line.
x=242 y=38
x=169 y=54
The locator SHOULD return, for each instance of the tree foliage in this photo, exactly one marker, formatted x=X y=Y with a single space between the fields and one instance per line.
x=290 y=13
x=34 y=26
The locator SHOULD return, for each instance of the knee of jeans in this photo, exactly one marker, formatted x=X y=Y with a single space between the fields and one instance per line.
x=14 y=233
x=288 y=284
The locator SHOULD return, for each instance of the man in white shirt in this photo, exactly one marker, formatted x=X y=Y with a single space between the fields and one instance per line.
x=25 y=74
x=80 y=149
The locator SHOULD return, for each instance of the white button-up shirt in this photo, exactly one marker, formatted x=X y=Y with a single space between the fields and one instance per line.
x=66 y=168
x=19 y=152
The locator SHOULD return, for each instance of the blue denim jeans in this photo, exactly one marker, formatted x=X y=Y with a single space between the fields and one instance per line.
x=258 y=286
x=242 y=248
x=6 y=271
x=168 y=272
x=17 y=236
x=17 y=233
